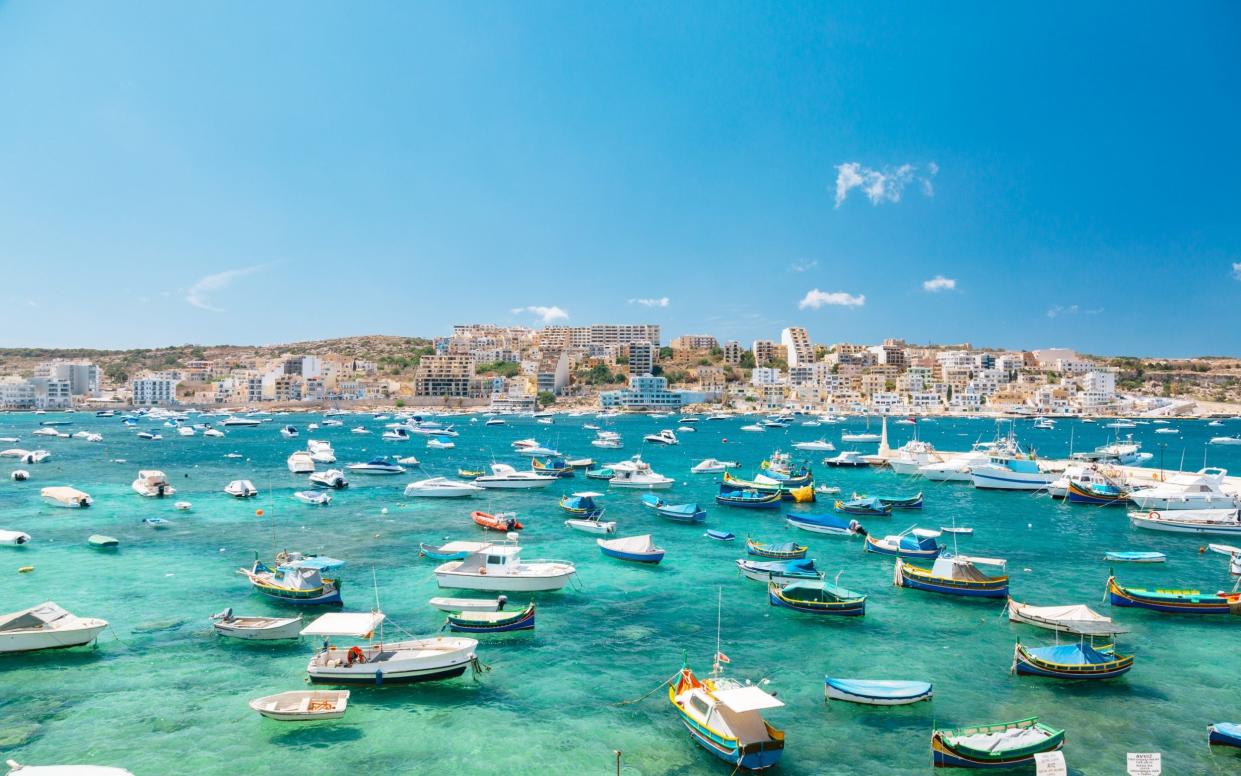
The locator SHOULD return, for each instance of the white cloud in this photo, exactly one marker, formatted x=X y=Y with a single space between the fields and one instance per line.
x=1236 y=270
x=814 y=299
x=547 y=314
x=939 y=283
x=883 y=185
x=199 y=293
x=660 y=302
x=803 y=266
x=1056 y=310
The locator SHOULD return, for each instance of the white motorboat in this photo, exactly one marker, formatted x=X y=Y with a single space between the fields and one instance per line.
x=303 y=705
x=320 y=452
x=183 y=506
x=400 y=434
x=713 y=466
x=610 y=442
x=332 y=478
x=441 y=487
x=957 y=468
x=289 y=432
x=818 y=445
x=521 y=444
x=435 y=443
x=469 y=604
x=152 y=483
x=504 y=476
x=46 y=626
x=49 y=432
x=1226 y=440
x=186 y=431
x=663 y=437
x=752 y=427
x=64 y=496
x=499 y=567
x=495 y=422
x=862 y=437
x=1234 y=556
x=1008 y=471
x=538 y=451
x=17 y=769
x=912 y=456
x=1210 y=522
x=1201 y=490
x=241 y=489
x=214 y=433
x=148 y=436
x=637 y=474
x=360 y=430
x=315 y=498
x=13 y=538
x=380 y=662
x=19 y=475
x=256 y=628
x=376 y=466
x=846 y=458
x=232 y=420
x=301 y=462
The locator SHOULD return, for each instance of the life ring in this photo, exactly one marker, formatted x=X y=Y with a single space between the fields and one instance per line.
x=356 y=655
x=1152 y=515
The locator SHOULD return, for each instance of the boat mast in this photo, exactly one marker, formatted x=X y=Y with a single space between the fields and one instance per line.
x=716 y=669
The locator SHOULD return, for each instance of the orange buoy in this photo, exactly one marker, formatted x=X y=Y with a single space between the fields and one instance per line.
x=258 y=512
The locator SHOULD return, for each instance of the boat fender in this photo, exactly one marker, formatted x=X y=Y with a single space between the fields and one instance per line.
x=501 y=600
x=25 y=569
x=379 y=678
x=482 y=570
x=356 y=655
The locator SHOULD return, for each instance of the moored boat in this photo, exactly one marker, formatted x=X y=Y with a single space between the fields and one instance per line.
x=1069 y=661
x=492 y=622
x=1177 y=601
x=779 y=571
x=499 y=567
x=256 y=628
x=303 y=705
x=638 y=549
x=825 y=524
x=953 y=575
x=913 y=543
x=863 y=506
x=66 y=497
x=725 y=718
x=299 y=582
x=996 y=745
x=1135 y=557
x=380 y=662
x=46 y=626
x=747 y=499
x=500 y=521
x=1071 y=618
x=677 y=513
x=583 y=504
x=817 y=597
x=782 y=551
x=1224 y=734
x=876 y=692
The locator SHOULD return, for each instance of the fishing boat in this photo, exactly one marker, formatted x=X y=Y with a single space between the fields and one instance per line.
x=1071 y=618
x=902 y=502
x=303 y=705
x=637 y=474
x=469 y=604
x=441 y=487
x=782 y=551
x=226 y=623
x=449 y=551
x=602 y=473
x=713 y=466
x=953 y=575
x=1136 y=557
x=1096 y=493
x=500 y=521
x=552 y=467
x=747 y=498
x=863 y=506
x=912 y=543
x=779 y=571
x=498 y=567
x=505 y=477
x=1224 y=734
x=1069 y=661
x=817 y=597
x=719 y=536
x=1010 y=471
x=583 y=504
x=638 y=549
x=1213 y=522
x=677 y=513
x=846 y=458
x=380 y=662
x=956 y=529
x=876 y=692
x=299 y=581
x=241 y=489
x=332 y=478
x=152 y=484
x=825 y=524
x=1181 y=601
x=46 y=626
x=996 y=745
x=492 y=622
x=66 y=497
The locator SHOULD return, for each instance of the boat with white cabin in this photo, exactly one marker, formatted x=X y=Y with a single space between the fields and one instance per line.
x=46 y=626
x=499 y=567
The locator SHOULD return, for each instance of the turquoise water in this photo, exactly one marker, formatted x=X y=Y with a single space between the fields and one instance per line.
x=161 y=694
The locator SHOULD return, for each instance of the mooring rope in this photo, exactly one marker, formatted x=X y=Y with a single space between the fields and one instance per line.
x=658 y=687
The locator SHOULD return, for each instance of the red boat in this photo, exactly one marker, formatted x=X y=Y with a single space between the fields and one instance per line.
x=500 y=521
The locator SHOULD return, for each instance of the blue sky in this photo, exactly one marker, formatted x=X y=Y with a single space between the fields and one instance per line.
x=1017 y=175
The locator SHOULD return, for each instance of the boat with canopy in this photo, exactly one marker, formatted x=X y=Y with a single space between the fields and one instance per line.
x=954 y=575
x=915 y=543
x=383 y=662
x=1174 y=601
x=677 y=513
x=817 y=597
x=876 y=692
x=781 y=551
x=825 y=524
x=492 y=622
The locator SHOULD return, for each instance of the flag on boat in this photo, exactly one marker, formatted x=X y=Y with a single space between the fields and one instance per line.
x=720 y=657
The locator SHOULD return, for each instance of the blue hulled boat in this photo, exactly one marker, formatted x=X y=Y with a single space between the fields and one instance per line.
x=1069 y=661
x=748 y=499
x=782 y=551
x=1224 y=734
x=552 y=466
x=1104 y=493
x=638 y=549
x=725 y=718
x=914 y=543
x=678 y=513
x=825 y=524
x=953 y=575
x=582 y=504
x=864 y=506
x=876 y=692
x=720 y=536
x=817 y=597
x=906 y=502
x=779 y=571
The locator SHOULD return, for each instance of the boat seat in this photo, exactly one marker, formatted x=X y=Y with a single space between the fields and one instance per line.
x=305 y=706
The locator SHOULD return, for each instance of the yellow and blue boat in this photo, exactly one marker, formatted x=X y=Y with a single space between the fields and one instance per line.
x=1069 y=661
x=817 y=597
x=1173 y=601
x=725 y=718
x=955 y=575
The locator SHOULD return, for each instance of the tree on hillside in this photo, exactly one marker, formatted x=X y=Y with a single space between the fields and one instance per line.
x=546 y=398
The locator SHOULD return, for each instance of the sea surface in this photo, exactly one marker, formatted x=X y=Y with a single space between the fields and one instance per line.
x=162 y=694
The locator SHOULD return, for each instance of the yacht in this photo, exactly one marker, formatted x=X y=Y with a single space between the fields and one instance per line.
x=321 y=452
x=380 y=661
x=441 y=487
x=1010 y=471
x=637 y=474
x=912 y=456
x=818 y=445
x=376 y=466
x=713 y=466
x=46 y=626
x=152 y=483
x=301 y=462
x=846 y=458
x=862 y=437
x=70 y=498
x=1201 y=490
x=499 y=567
x=664 y=437
x=496 y=422
x=332 y=478
x=233 y=420
x=360 y=430
x=504 y=476
x=241 y=489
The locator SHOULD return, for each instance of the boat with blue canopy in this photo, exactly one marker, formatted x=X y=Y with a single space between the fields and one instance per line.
x=601 y=473
x=781 y=551
x=817 y=597
x=747 y=499
x=1173 y=601
x=915 y=543
x=1102 y=493
x=1224 y=734
x=996 y=745
x=953 y=575
x=552 y=466
x=720 y=536
x=800 y=489
x=1069 y=661
x=901 y=502
x=825 y=524
x=582 y=505
x=864 y=506
x=677 y=513
x=876 y=692
x=779 y=571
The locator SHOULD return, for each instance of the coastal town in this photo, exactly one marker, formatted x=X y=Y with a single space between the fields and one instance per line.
x=624 y=367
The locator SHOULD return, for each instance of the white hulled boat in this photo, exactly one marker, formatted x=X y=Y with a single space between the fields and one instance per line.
x=1211 y=522
x=441 y=487
x=64 y=496
x=152 y=483
x=241 y=489
x=664 y=437
x=637 y=474
x=912 y=456
x=504 y=476
x=46 y=626
x=256 y=628
x=1201 y=490
x=380 y=662
x=499 y=567
x=332 y=478
x=301 y=462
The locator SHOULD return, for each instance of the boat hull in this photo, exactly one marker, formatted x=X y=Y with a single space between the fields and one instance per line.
x=1187 y=527
x=51 y=639
x=1219 y=735
x=1006 y=480
x=1185 y=602
x=288 y=628
x=997 y=588
x=1027 y=664
x=522 y=620
x=843 y=608
x=876 y=693
x=502 y=584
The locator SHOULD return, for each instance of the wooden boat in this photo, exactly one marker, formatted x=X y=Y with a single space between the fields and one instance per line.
x=551 y=466
x=956 y=575
x=915 y=543
x=725 y=718
x=817 y=597
x=1173 y=601
x=298 y=582
x=783 y=551
x=303 y=705
x=1069 y=661
x=864 y=506
x=952 y=529
x=639 y=549
x=603 y=473
x=748 y=499
x=582 y=504
x=908 y=502
x=1073 y=618
x=719 y=536
x=105 y=542
x=677 y=513
x=492 y=622
x=441 y=553
x=1136 y=557
x=998 y=745
x=256 y=628
x=825 y=524
x=1096 y=493
x=780 y=571
x=469 y=604
x=469 y=474
x=1224 y=734
x=800 y=489
x=876 y=692
x=500 y=521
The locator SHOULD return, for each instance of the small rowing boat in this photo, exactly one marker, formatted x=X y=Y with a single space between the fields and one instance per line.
x=303 y=705
x=1136 y=557
x=469 y=604
x=996 y=745
x=1224 y=734
x=876 y=692
x=492 y=622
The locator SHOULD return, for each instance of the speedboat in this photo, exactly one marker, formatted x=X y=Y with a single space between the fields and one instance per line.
x=912 y=456
x=241 y=489
x=499 y=567
x=819 y=445
x=148 y=436
x=1010 y=471
x=321 y=452
x=846 y=458
x=1226 y=440
x=152 y=483
x=376 y=466
x=185 y=431
x=713 y=466
x=1201 y=490
x=332 y=478
x=63 y=496
x=664 y=437
x=379 y=662
x=441 y=487
x=256 y=628
x=957 y=468
x=19 y=475
x=233 y=420
x=636 y=473
x=399 y=434
x=505 y=476
x=611 y=441
x=213 y=432
x=289 y=432
x=14 y=538
x=46 y=626
x=313 y=497
x=863 y=437
x=301 y=462
x=752 y=427
x=360 y=430
x=435 y=443
x=302 y=705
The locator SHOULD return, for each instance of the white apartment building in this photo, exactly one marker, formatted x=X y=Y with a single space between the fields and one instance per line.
x=796 y=342
x=1097 y=388
x=153 y=390
x=82 y=376
x=16 y=394
x=763 y=375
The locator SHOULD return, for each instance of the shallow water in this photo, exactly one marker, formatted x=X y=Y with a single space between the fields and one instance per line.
x=161 y=694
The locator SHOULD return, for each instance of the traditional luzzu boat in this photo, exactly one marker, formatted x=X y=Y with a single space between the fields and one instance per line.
x=725 y=718
x=1096 y=493
x=1224 y=734
x=817 y=597
x=876 y=692
x=864 y=506
x=799 y=490
x=782 y=551
x=1173 y=601
x=552 y=466
x=1069 y=661
x=582 y=505
x=492 y=622
x=747 y=498
x=1072 y=618
x=782 y=572
x=915 y=543
x=998 y=745
x=299 y=581
x=902 y=502
x=953 y=575
x=677 y=513
x=825 y=524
